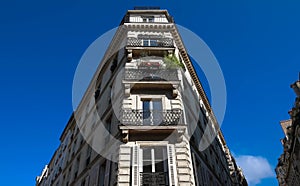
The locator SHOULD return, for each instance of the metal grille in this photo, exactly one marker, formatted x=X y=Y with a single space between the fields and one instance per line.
x=161 y=42
x=154 y=117
x=154 y=179
x=151 y=74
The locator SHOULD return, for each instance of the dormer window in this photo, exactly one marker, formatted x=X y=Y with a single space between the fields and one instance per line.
x=150 y=42
x=148 y=19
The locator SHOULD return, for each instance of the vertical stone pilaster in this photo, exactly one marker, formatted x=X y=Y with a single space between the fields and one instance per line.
x=124 y=165
x=184 y=164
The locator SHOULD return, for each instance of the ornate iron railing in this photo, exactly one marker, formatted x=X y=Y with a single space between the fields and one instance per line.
x=134 y=42
x=152 y=117
x=126 y=19
x=160 y=42
x=151 y=74
x=154 y=178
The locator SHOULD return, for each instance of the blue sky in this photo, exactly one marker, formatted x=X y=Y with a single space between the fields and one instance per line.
x=41 y=43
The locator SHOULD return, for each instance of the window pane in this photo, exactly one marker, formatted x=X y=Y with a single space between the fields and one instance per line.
x=156 y=104
x=147 y=161
x=147 y=153
x=155 y=166
x=145 y=42
x=153 y=43
x=151 y=19
x=157 y=112
x=146 y=112
x=160 y=166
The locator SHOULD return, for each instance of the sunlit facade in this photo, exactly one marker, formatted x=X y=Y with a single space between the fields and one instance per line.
x=142 y=120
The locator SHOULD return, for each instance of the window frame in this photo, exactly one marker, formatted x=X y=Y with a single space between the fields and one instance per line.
x=136 y=159
x=153 y=114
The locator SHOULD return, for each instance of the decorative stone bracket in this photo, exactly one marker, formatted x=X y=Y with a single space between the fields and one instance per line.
x=127 y=90
x=129 y=55
x=175 y=91
x=125 y=135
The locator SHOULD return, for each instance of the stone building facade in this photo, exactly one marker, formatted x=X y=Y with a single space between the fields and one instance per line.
x=288 y=167
x=144 y=117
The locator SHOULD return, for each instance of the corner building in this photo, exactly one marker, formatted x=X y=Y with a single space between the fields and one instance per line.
x=288 y=166
x=144 y=118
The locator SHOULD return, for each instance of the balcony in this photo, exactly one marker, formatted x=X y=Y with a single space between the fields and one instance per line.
x=151 y=75
x=160 y=42
x=152 y=117
x=154 y=178
x=296 y=87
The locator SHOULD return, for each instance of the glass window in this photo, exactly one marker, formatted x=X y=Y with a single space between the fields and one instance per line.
x=152 y=112
x=154 y=159
x=150 y=42
x=146 y=110
x=155 y=165
x=153 y=43
x=151 y=19
x=102 y=174
x=145 y=42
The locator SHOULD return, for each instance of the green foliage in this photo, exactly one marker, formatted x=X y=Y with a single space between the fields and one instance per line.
x=173 y=62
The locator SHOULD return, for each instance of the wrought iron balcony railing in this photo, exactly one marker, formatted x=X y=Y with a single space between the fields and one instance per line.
x=160 y=42
x=126 y=19
x=151 y=74
x=154 y=178
x=152 y=117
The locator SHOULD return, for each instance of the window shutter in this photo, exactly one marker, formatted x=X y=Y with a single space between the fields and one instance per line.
x=107 y=173
x=140 y=162
x=135 y=166
x=172 y=165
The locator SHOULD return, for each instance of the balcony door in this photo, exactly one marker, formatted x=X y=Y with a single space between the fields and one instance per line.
x=153 y=166
x=152 y=112
x=150 y=42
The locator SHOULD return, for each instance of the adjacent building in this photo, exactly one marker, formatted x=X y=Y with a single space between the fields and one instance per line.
x=144 y=117
x=288 y=167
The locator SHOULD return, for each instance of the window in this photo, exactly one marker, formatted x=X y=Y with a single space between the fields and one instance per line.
x=68 y=175
x=153 y=165
x=98 y=89
x=152 y=111
x=198 y=171
x=88 y=155
x=83 y=182
x=150 y=42
x=154 y=159
x=204 y=117
x=102 y=174
x=77 y=166
x=149 y=19
x=145 y=42
x=74 y=146
x=205 y=176
x=153 y=43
